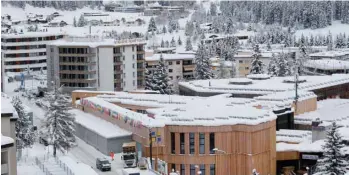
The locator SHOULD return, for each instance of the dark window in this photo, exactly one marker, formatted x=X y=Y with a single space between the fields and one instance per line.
x=212 y=169
x=202 y=169
x=240 y=61
x=212 y=145
x=173 y=143
x=182 y=169
x=170 y=63
x=191 y=143
x=181 y=138
x=192 y=169
x=202 y=143
x=173 y=167
x=178 y=62
x=170 y=70
x=133 y=48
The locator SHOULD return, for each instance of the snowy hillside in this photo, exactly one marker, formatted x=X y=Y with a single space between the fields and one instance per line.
x=336 y=28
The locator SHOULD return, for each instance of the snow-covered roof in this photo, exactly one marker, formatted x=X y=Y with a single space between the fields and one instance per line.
x=77 y=167
x=156 y=57
x=30 y=34
x=103 y=18
x=6 y=140
x=258 y=76
x=287 y=96
x=332 y=53
x=98 y=125
x=95 y=41
x=325 y=112
x=6 y=105
x=293 y=136
x=301 y=147
x=327 y=64
x=264 y=86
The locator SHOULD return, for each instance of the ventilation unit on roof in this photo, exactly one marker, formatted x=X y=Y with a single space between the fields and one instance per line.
x=258 y=76
x=291 y=80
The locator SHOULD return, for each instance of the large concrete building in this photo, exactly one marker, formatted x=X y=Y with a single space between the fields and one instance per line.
x=94 y=63
x=26 y=50
x=8 y=137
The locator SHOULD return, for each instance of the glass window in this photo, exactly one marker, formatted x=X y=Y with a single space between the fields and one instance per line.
x=192 y=169
x=170 y=63
x=173 y=143
x=240 y=61
x=170 y=70
x=202 y=169
x=181 y=138
x=182 y=169
x=212 y=145
x=133 y=49
x=202 y=143
x=212 y=169
x=192 y=143
x=133 y=56
x=178 y=62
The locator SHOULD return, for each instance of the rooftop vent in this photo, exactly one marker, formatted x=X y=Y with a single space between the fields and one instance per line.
x=292 y=80
x=258 y=76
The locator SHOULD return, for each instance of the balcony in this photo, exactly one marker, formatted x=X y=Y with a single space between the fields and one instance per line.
x=77 y=63
x=76 y=80
x=188 y=67
x=77 y=71
x=78 y=54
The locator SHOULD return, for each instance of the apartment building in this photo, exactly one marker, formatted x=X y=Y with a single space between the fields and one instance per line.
x=243 y=61
x=8 y=137
x=179 y=66
x=94 y=63
x=22 y=50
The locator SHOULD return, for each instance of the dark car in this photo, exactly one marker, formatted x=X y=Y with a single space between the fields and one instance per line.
x=103 y=164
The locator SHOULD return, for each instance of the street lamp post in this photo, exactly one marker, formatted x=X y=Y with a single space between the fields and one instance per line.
x=218 y=150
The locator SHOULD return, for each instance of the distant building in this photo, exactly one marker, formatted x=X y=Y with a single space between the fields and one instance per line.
x=243 y=61
x=26 y=50
x=93 y=63
x=341 y=54
x=57 y=23
x=8 y=137
x=326 y=66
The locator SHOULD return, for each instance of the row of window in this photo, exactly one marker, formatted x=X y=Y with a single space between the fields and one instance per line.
x=74 y=59
x=177 y=77
x=72 y=67
x=16 y=55
x=73 y=76
x=75 y=84
x=118 y=58
x=73 y=50
x=18 y=70
x=48 y=38
x=193 y=169
x=27 y=47
x=192 y=143
x=24 y=62
x=177 y=62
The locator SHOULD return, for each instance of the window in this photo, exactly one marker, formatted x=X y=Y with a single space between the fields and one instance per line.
x=177 y=77
x=191 y=143
x=192 y=169
x=182 y=169
x=240 y=61
x=51 y=49
x=171 y=77
x=202 y=169
x=181 y=138
x=123 y=58
x=212 y=169
x=173 y=143
x=173 y=167
x=133 y=49
x=246 y=68
x=134 y=74
x=178 y=62
x=212 y=145
x=123 y=49
x=170 y=63
x=124 y=75
x=133 y=56
x=134 y=82
x=202 y=143
x=170 y=70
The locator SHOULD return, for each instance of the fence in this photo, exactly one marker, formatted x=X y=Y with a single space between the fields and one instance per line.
x=59 y=162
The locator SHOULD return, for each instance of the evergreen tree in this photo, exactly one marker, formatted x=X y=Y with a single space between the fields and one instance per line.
x=333 y=160
x=162 y=44
x=152 y=26
x=189 y=28
x=303 y=55
x=164 y=30
x=272 y=68
x=59 y=123
x=340 y=41
x=25 y=134
x=329 y=42
x=179 y=41
x=148 y=80
x=257 y=64
x=268 y=46
x=282 y=65
x=161 y=80
x=311 y=41
x=188 y=45
x=82 y=21
x=203 y=69
x=213 y=9
x=173 y=42
x=202 y=37
x=75 y=23
x=167 y=44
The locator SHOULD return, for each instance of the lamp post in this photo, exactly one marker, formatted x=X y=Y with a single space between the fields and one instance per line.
x=221 y=151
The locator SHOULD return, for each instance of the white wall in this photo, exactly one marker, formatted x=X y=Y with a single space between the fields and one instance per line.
x=177 y=70
x=130 y=63
x=105 y=69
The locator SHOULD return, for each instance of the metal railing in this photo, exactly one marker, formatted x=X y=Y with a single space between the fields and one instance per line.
x=59 y=162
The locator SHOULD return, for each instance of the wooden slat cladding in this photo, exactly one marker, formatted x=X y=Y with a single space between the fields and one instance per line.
x=289 y=155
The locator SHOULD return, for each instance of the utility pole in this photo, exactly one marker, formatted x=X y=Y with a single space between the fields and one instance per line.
x=150 y=148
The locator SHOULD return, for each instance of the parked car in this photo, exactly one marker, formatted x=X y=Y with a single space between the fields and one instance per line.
x=103 y=164
x=142 y=163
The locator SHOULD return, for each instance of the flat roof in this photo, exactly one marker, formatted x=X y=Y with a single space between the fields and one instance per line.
x=332 y=53
x=268 y=86
x=30 y=34
x=156 y=57
x=6 y=105
x=96 y=42
x=327 y=64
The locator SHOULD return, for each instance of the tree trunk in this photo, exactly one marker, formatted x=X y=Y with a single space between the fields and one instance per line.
x=54 y=150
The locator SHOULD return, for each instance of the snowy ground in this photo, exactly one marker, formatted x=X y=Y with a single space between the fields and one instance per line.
x=336 y=28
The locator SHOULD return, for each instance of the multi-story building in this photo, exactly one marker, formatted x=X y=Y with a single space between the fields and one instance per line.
x=179 y=66
x=94 y=63
x=26 y=50
x=340 y=54
x=326 y=66
x=8 y=137
x=243 y=61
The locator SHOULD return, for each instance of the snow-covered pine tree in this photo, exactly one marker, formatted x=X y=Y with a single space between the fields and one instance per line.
x=152 y=25
x=179 y=41
x=167 y=44
x=256 y=64
x=348 y=42
x=59 y=123
x=189 y=28
x=25 y=134
x=272 y=68
x=333 y=160
x=282 y=66
x=268 y=46
x=162 y=43
x=148 y=76
x=164 y=30
x=188 y=45
x=311 y=41
x=340 y=41
x=82 y=21
x=160 y=78
x=203 y=69
x=213 y=9
x=75 y=23
x=303 y=55
x=329 y=42
x=173 y=42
